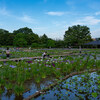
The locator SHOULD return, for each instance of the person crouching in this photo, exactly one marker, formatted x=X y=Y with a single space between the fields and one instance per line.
x=44 y=55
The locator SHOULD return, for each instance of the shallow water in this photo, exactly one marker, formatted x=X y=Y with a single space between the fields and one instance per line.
x=72 y=94
x=31 y=85
x=50 y=96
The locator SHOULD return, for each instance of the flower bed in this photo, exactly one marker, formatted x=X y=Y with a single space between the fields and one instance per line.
x=14 y=75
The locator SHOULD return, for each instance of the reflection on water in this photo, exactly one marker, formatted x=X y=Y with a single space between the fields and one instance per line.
x=8 y=95
x=80 y=90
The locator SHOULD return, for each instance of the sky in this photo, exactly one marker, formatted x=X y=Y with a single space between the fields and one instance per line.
x=50 y=17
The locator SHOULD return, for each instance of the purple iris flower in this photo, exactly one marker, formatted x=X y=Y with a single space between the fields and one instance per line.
x=53 y=64
x=37 y=69
x=72 y=62
x=57 y=68
x=29 y=68
x=29 y=61
x=12 y=66
x=25 y=68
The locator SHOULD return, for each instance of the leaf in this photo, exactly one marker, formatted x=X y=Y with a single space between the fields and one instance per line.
x=94 y=94
x=98 y=82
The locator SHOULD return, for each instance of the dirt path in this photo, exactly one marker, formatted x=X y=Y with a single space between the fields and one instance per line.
x=39 y=57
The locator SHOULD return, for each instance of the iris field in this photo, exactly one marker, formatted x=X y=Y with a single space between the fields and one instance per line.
x=15 y=75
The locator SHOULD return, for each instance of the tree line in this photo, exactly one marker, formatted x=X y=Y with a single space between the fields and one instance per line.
x=25 y=37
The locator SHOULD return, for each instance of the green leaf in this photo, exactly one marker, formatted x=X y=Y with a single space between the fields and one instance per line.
x=94 y=94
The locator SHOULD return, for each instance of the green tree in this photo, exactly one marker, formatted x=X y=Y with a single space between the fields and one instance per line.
x=24 y=30
x=60 y=44
x=30 y=37
x=77 y=35
x=43 y=40
x=4 y=37
x=50 y=43
x=35 y=45
x=20 y=40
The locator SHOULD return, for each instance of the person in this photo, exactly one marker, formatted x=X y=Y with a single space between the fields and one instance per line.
x=7 y=53
x=44 y=55
x=29 y=48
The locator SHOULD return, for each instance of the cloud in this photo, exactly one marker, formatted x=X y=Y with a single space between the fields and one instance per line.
x=40 y=28
x=55 y=13
x=95 y=33
x=89 y=20
x=27 y=19
x=3 y=11
x=97 y=13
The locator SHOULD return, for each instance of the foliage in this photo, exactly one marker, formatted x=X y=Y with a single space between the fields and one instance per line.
x=77 y=35
x=20 y=40
x=13 y=75
x=60 y=44
x=50 y=43
x=6 y=38
x=35 y=45
x=24 y=30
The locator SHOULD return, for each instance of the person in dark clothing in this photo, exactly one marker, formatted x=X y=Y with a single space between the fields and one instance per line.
x=7 y=52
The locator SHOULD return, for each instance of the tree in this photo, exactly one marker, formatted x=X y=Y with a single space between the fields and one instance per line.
x=4 y=34
x=50 y=43
x=60 y=44
x=77 y=35
x=43 y=40
x=35 y=45
x=30 y=37
x=20 y=40
x=24 y=30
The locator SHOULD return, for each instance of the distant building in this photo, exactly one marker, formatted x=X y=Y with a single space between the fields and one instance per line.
x=95 y=43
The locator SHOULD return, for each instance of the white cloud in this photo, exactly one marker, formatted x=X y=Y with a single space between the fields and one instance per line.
x=55 y=13
x=40 y=28
x=55 y=35
x=89 y=20
x=96 y=33
x=97 y=13
x=27 y=19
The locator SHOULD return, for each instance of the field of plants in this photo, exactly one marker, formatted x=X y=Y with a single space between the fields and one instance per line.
x=21 y=79
x=24 y=52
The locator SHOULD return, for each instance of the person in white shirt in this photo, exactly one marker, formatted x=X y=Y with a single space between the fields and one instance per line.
x=44 y=55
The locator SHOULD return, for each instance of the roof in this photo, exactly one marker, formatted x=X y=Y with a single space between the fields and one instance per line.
x=97 y=42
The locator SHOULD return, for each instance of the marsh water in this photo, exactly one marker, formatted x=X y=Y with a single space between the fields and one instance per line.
x=73 y=92
x=69 y=93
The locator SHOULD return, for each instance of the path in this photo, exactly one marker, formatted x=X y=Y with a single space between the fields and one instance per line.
x=39 y=57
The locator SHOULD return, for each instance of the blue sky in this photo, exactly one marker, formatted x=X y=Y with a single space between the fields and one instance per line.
x=52 y=17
